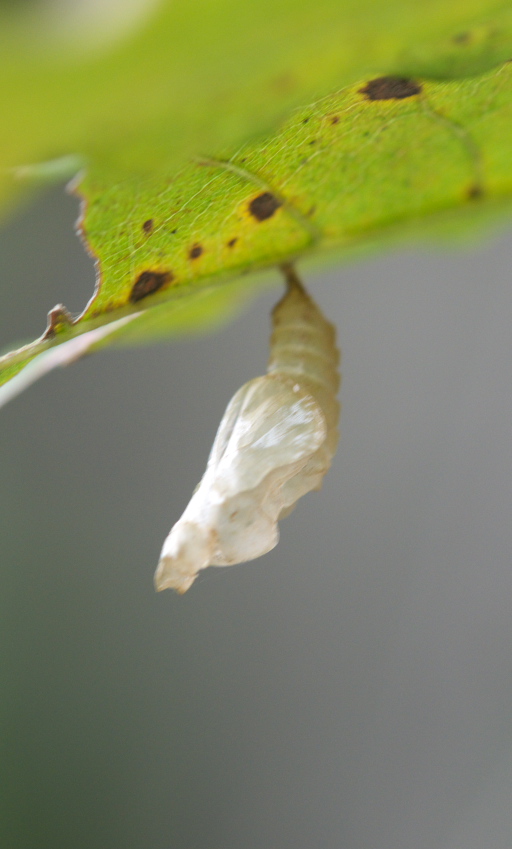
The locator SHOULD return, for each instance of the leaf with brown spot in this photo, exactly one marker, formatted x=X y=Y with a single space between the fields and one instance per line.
x=330 y=159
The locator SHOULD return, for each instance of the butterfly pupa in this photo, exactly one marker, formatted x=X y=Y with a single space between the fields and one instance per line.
x=275 y=442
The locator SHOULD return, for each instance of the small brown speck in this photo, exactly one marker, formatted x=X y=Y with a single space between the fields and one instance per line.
x=335 y=119
x=475 y=192
x=232 y=242
x=195 y=251
x=148 y=226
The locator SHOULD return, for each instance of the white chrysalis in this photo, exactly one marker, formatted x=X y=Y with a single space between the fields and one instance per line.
x=275 y=442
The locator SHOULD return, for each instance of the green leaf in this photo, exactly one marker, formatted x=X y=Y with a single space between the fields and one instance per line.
x=227 y=137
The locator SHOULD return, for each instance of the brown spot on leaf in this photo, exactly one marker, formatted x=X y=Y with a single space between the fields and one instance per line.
x=264 y=205
x=462 y=38
x=475 y=192
x=390 y=88
x=195 y=251
x=148 y=226
x=232 y=242
x=149 y=282
x=335 y=119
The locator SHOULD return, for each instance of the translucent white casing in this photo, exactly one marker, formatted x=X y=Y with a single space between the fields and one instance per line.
x=275 y=442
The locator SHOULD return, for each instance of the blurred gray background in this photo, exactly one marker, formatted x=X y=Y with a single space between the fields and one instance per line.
x=352 y=689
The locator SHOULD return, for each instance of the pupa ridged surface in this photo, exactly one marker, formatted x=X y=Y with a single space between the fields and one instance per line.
x=275 y=442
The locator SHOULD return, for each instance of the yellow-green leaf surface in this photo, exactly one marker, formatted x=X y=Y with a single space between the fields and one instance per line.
x=226 y=136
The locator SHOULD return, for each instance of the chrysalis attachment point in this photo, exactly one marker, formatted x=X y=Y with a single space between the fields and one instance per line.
x=275 y=442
